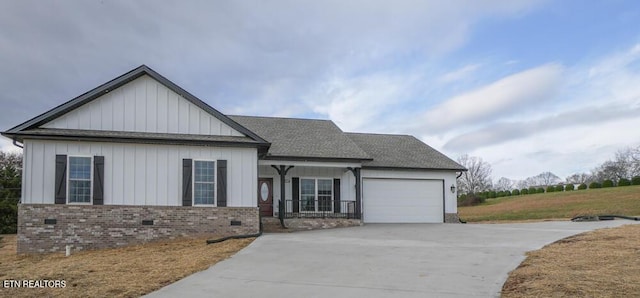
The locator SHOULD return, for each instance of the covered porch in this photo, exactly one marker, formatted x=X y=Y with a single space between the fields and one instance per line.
x=305 y=190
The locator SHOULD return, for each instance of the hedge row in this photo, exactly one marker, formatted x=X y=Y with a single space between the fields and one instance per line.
x=475 y=199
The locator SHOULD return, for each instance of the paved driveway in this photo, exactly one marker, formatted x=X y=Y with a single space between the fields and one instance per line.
x=381 y=260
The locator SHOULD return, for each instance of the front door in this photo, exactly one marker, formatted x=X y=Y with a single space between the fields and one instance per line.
x=265 y=196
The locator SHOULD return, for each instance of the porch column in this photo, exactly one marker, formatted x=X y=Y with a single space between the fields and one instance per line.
x=282 y=171
x=357 y=175
x=358 y=194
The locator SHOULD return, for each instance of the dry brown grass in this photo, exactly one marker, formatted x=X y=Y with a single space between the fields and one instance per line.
x=602 y=263
x=567 y=204
x=122 y=272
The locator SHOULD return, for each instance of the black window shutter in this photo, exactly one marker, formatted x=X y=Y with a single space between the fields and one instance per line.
x=186 y=182
x=61 y=179
x=336 y=195
x=98 y=180
x=222 y=183
x=295 y=194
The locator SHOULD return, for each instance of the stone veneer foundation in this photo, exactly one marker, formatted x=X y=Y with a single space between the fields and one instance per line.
x=451 y=218
x=44 y=228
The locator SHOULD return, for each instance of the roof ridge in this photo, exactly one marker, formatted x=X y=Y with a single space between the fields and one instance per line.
x=278 y=117
x=379 y=134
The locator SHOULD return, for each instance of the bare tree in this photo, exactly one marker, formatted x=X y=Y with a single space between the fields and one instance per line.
x=504 y=184
x=521 y=184
x=625 y=164
x=579 y=178
x=478 y=176
x=547 y=178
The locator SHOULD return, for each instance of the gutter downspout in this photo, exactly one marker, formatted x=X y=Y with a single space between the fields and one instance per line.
x=15 y=143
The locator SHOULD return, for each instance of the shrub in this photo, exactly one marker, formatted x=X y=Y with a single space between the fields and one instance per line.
x=500 y=194
x=551 y=188
x=607 y=183
x=635 y=180
x=540 y=190
x=532 y=190
x=569 y=187
x=624 y=182
x=8 y=216
x=559 y=187
x=582 y=186
x=492 y=194
x=593 y=185
x=507 y=193
x=516 y=192
x=524 y=191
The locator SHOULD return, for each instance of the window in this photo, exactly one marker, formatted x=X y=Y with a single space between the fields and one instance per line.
x=79 y=179
x=324 y=195
x=204 y=182
x=316 y=195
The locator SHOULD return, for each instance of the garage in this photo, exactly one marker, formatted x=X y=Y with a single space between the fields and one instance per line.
x=392 y=200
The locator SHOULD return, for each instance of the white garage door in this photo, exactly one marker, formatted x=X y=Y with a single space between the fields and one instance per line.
x=402 y=200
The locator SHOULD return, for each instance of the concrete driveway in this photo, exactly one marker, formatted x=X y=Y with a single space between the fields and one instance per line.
x=379 y=260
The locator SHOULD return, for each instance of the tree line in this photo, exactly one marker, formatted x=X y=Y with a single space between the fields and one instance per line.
x=476 y=185
x=10 y=190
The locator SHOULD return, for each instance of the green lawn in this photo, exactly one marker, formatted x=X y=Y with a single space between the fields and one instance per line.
x=616 y=200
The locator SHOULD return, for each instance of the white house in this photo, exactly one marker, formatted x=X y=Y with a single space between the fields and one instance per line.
x=139 y=158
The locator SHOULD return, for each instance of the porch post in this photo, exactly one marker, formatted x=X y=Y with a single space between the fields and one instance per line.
x=357 y=175
x=281 y=203
x=358 y=194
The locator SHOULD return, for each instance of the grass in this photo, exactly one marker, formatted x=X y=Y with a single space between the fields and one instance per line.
x=602 y=263
x=557 y=205
x=122 y=272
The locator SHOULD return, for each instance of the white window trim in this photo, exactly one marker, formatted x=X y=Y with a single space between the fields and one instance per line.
x=316 y=198
x=193 y=183
x=69 y=180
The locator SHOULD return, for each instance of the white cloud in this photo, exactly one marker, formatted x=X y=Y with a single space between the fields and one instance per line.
x=563 y=151
x=595 y=116
x=459 y=74
x=519 y=90
x=355 y=103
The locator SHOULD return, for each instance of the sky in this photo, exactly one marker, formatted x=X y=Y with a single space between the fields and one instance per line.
x=529 y=86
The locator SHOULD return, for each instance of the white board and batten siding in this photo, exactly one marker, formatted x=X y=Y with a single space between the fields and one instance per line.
x=407 y=196
x=143 y=105
x=139 y=174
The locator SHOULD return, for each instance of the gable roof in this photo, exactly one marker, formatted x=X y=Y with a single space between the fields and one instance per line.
x=116 y=83
x=401 y=151
x=306 y=139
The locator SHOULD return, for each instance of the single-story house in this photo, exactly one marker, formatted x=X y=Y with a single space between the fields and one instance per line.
x=139 y=158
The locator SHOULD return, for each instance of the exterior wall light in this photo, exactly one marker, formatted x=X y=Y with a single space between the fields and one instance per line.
x=453 y=188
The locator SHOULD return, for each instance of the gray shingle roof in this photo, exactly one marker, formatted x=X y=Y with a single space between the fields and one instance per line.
x=303 y=138
x=401 y=151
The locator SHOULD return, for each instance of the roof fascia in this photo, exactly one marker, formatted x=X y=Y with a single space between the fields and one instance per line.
x=321 y=164
x=319 y=159
x=138 y=140
x=411 y=169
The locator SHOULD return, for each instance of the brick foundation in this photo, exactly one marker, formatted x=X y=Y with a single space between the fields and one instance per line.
x=451 y=218
x=96 y=227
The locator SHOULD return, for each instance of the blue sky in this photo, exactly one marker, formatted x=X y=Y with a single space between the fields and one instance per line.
x=529 y=86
